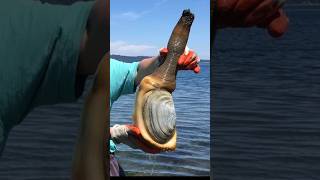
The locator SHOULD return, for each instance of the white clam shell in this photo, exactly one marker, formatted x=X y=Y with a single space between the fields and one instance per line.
x=159 y=115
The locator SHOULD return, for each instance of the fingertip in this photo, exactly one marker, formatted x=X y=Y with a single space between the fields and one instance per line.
x=197 y=69
x=181 y=60
x=279 y=25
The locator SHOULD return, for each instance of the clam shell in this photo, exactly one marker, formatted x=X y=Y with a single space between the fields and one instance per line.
x=159 y=115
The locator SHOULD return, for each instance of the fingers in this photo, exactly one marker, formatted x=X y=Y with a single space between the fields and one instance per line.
x=184 y=60
x=189 y=62
x=264 y=10
x=136 y=138
x=226 y=5
x=234 y=12
x=193 y=64
x=243 y=7
x=279 y=25
x=248 y=13
x=268 y=14
x=265 y=23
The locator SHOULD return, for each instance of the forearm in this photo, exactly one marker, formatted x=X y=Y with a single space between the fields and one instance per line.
x=91 y=155
x=146 y=67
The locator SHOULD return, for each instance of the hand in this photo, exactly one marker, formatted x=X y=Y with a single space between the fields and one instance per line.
x=247 y=13
x=189 y=60
x=131 y=136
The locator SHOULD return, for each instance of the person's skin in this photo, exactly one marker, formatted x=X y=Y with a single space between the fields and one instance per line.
x=95 y=42
x=91 y=160
x=146 y=67
x=188 y=61
x=267 y=14
x=91 y=157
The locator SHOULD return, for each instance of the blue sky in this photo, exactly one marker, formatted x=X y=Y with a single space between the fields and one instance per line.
x=142 y=27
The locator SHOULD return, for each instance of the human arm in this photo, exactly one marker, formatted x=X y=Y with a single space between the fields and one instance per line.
x=146 y=67
x=94 y=42
x=131 y=136
x=91 y=157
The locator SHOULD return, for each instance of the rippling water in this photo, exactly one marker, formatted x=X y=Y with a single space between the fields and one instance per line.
x=192 y=156
x=266 y=118
x=41 y=147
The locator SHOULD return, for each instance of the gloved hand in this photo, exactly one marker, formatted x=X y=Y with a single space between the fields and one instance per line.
x=131 y=136
x=246 y=13
x=189 y=60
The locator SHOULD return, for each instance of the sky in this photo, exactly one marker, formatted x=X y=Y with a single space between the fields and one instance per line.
x=142 y=27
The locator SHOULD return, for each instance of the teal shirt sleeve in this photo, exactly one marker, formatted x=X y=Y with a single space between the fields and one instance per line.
x=39 y=50
x=122 y=81
x=122 y=78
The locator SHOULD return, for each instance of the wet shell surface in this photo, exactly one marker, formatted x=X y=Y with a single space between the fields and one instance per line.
x=159 y=115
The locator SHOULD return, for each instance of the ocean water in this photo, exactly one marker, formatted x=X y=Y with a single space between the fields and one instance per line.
x=266 y=101
x=41 y=147
x=192 y=156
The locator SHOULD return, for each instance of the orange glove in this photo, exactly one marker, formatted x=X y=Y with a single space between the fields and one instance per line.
x=189 y=60
x=246 y=13
x=136 y=137
x=131 y=136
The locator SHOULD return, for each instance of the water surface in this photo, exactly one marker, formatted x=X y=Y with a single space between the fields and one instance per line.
x=266 y=99
x=41 y=147
x=191 y=97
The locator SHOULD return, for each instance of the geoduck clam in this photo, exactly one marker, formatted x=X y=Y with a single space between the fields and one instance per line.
x=154 y=112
